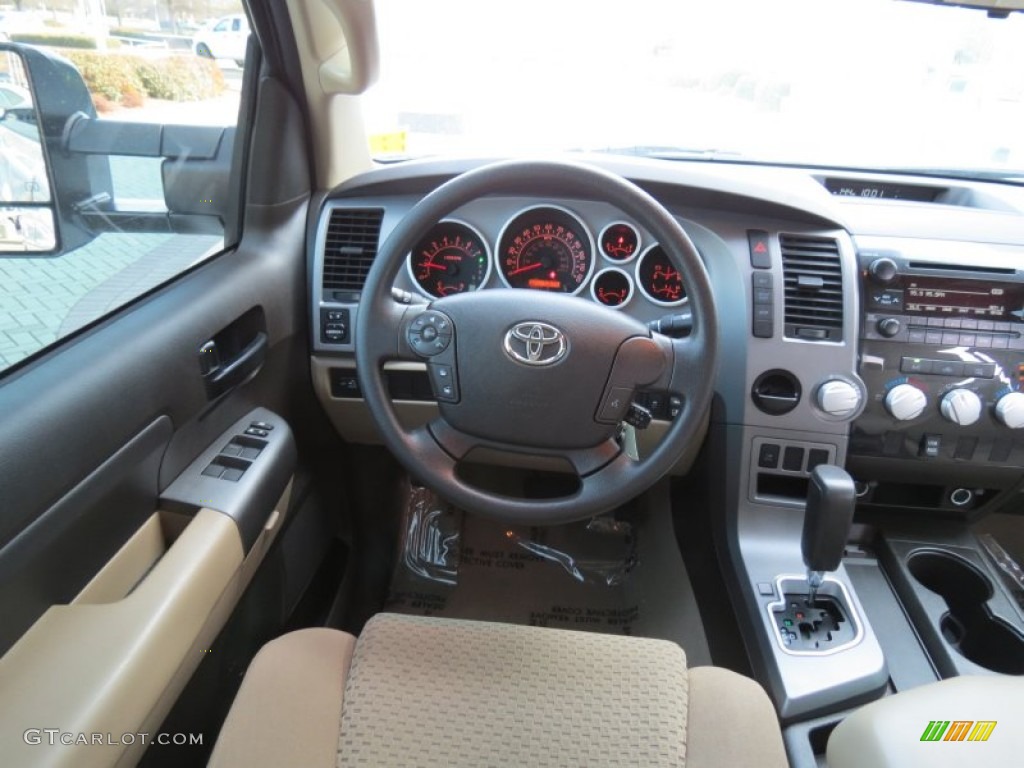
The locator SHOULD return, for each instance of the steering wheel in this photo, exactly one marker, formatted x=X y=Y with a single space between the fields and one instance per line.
x=534 y=372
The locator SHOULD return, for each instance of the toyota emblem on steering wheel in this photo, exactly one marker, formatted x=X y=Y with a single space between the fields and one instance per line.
x=535 y=343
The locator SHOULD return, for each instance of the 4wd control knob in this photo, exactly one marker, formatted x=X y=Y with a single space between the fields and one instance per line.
x=961 y=406
x=1010 y=410
x=838 y=398
x=905 y=402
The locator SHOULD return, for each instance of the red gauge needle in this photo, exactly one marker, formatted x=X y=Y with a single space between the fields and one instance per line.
x=428 y=265
x=527 y=268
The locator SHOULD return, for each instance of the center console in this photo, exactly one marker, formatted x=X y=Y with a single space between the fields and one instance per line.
x=942 y=356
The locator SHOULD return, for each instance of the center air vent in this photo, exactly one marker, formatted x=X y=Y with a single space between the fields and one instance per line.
x=813 y=278
x=349 y=250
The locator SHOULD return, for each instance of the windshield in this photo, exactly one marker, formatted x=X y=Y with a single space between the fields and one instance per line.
x=839 y=83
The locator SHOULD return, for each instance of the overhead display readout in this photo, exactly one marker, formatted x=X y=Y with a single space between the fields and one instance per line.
x=964 y=298
x=877 y=190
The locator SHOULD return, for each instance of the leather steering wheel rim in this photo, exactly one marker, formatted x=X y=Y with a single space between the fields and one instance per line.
x=608 y=478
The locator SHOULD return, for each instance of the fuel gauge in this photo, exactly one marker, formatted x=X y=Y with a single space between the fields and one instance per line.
x=451 y=258
x=612 y=287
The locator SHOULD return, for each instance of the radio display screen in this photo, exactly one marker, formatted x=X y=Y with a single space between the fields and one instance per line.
x=964 y=298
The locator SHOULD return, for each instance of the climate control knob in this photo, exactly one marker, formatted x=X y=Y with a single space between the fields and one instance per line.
x=1010 y=410
x=838 y=398
x=905 y=402
x=961 y=406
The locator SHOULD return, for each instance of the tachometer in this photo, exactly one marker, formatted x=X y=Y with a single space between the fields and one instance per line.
x=451 y=258
x=658 y=280
x=546 y=248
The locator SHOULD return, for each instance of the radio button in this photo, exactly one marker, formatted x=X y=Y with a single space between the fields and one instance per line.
x=986 y=325
x=969 y=324
x=968 y=339
x=961 y=406
x=889 y=327
x=949 y=337
x=934 y=322
x=916 y=336
x=1000 y=342
x=933 y=337
x=951 y=322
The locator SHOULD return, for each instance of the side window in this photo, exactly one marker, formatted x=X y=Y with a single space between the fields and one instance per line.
x=115 y=164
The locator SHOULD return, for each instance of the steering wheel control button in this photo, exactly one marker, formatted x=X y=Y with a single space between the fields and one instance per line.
x=536 y=344
x=638 y=417
x=616 y=404
x=442 y=379
x=430 y=333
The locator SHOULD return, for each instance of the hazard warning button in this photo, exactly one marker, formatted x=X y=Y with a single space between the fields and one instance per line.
x=760 y=255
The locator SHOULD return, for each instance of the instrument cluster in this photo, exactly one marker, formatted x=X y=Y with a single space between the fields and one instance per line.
x=547 y=248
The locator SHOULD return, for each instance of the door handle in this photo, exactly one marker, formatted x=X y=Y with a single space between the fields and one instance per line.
x=221 y=376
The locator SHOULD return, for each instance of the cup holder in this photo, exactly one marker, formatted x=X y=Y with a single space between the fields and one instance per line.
x=968 y=625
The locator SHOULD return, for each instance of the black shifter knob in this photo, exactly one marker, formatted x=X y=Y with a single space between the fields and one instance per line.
x=830 y=501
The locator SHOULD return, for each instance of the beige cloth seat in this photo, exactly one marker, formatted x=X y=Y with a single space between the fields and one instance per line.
x=432 y=692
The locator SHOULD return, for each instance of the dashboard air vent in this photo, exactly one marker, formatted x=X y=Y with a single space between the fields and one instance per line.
x=813 y=277
x=349 y=249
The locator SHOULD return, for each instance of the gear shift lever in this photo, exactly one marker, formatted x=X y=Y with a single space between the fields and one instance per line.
x=829 y=514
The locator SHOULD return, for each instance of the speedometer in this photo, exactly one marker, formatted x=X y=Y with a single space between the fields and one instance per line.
x=451 y=258
x=547 y=248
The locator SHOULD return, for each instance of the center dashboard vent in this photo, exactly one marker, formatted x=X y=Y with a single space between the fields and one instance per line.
x=813 y=276
x=350 y=247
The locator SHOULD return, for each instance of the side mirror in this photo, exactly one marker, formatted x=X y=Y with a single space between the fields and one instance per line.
x=28 y=220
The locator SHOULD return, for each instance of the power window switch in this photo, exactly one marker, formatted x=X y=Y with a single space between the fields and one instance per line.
x=232 y=474
x=257 y=432
x=214 y=470
x=262 y=425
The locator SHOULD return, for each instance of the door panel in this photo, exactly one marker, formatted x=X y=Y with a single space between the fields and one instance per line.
x=94 y=432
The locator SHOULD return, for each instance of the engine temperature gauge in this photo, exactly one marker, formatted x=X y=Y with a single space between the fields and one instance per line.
x=620 y=241
x=658 y=279
x=451 y=258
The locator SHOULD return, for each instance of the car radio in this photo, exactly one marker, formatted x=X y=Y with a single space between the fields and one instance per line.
x=942 y=357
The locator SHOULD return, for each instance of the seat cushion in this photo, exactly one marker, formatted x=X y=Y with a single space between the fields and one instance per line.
x=428 y=691
x=289 y=705
x=467 y=693
x=470 y=693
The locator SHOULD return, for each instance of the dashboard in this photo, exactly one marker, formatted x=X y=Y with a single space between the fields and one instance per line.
x=870 y=320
